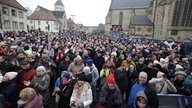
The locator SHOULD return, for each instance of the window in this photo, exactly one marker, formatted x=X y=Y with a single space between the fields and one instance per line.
x=14 y=12
x=47 y=22
x=174 y=32
x=31 y=21
x=6 y=10
x=7 y=25
x=121 y=18
x=20 y=14
x=21 y=25
x=139 y=29
x=182 y=13
x=15 y=25
x=39 y=22
x=149 y=30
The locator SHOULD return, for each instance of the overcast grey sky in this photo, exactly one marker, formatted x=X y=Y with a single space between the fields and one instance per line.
x=87 y=12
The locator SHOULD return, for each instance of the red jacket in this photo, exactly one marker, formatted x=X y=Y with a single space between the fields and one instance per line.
x=24 y=76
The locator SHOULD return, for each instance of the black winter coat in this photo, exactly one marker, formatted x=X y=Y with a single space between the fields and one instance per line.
x=65 y=94
x=110 y=99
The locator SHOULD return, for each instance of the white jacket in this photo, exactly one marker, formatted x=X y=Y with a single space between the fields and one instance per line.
x=86 y=95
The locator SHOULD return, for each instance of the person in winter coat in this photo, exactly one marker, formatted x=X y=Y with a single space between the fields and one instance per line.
x=30 y=99
x=76 y=67
x=64 y=91
x=82 y=94
x=95 y=77
x=141 y=101
x=63 y=65
x=143 y=85
x=25 y=75
x=162 y=84
x=104 y=73
x=188 y=81
x=8 y=89
x=40 y=83
x=5 y=66
x=140 y=66
x=179 y=83
x=110 y=95
x=121 y=79
x=50 y=67
x=99 y=60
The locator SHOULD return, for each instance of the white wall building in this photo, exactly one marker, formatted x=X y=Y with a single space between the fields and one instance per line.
x=46 y=20
x=13 y=16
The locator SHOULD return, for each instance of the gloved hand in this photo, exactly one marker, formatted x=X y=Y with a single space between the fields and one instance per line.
x=73 y=104
x=80 y=105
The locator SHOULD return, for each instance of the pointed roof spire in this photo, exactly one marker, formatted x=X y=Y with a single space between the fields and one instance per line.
x=59 y=2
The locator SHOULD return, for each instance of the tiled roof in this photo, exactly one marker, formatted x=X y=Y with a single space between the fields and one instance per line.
x=59 y=2
x=126 y=4
x=140 y=20
x=42 y=14
x=12 y=3
x=59 y=14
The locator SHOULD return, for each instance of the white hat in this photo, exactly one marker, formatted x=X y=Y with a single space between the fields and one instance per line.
x=1 y=79
x=41 y=68
x=11 y=75
x=180 y=73
x=160 y=74
x=155 y=62
x=86 y=70
x=78 y=58
x=162 y=60
x=114 y=53
x=178 y=67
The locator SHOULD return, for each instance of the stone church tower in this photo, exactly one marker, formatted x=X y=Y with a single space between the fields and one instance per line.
x=59 y=6
x=59 y=12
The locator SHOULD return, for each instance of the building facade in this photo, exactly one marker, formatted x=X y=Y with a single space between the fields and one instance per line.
x=48 y=21
x=171 y=19
x=13 y=16
x=121 y=12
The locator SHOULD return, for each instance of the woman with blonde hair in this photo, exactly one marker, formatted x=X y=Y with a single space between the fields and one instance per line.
x=82 y=94
x=30 y=99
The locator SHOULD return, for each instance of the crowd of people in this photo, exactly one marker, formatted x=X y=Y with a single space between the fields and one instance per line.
x=95 y=71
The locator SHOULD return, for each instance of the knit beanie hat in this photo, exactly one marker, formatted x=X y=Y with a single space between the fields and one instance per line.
x=82 y=77
x=11 y=75
x=41 y=68
x=114 y=54
x=86 y=70
x=89 y=62
x=65 y=74
x=111 y=79
x=78 y=58
x=180 y=73
x=178 y=67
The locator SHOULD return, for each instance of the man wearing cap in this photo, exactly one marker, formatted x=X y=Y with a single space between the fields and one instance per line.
x=25 y=75
x=110 y=95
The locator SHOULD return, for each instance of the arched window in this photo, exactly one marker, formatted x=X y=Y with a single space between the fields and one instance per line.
x=120 y=18
x=182 y=15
